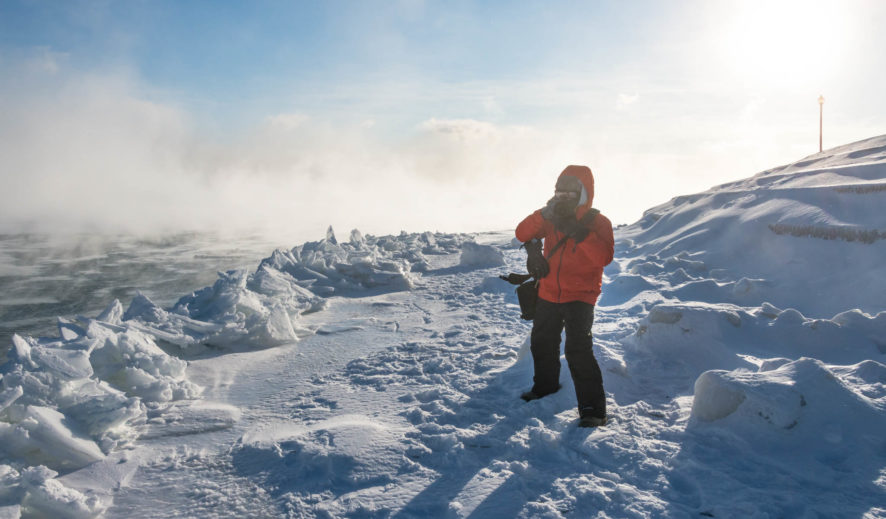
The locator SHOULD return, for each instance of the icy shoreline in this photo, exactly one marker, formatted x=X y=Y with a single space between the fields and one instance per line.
x=69 y=401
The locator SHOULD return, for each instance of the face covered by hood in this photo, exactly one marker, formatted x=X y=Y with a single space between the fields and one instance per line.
x=574 y=190
x=586 y=178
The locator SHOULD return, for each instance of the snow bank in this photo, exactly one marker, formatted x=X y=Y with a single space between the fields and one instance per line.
x=480 y=256
x=685 y=339
x=822 y=408
x=808 y=229
x=681 y=340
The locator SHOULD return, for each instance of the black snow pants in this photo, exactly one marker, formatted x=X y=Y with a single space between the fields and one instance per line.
x=577 y=317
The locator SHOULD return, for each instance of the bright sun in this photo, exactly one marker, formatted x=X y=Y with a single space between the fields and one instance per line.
x=784 y=41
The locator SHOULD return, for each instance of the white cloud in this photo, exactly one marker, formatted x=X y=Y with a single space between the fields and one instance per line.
x=84 y=151
x=625 y=100
x=287 y=121
x=464 y=130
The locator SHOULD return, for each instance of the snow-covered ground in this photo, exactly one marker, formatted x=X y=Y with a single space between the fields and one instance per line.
x=741 y=332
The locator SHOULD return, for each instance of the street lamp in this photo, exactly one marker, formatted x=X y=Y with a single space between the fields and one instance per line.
x=820 y=120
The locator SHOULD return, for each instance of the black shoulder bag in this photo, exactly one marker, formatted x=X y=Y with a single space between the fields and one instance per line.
x=527 y=289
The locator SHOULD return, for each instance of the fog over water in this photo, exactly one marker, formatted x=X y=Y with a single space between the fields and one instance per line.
x=43 y=277
x=93 y=153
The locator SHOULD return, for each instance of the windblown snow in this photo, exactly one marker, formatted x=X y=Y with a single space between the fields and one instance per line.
x=741 y=332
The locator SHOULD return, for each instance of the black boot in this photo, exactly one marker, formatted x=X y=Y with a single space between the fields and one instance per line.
x=592 y=421
x=589 y=417
x=533 y=395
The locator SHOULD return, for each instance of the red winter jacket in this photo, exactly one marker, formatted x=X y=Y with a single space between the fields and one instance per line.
x=576 y=269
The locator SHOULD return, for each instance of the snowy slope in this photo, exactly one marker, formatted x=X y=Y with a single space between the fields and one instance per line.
x=741 y=335
x=739 y=230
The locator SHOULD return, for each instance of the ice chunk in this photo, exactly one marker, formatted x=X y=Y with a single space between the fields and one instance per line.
x=69 y=331
x=357 y=239
x=255 y=309
x=61 y=362
x=103 y=412
x=68 y=401
x=480 y=256
x=9 y=480
x=225 y=298
x=132 y=362
x=45 y=496
x=10 y=395
x=328 y=267
x=21 y=351
x=284 y=290
x=43 y=437
x=113 y=314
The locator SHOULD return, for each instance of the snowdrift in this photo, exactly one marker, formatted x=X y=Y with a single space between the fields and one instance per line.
x=756 y=308
x=349 y=452
x=806 y=235
x=686 y=339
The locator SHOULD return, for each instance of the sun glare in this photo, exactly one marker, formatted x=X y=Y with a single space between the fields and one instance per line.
x=783 y=42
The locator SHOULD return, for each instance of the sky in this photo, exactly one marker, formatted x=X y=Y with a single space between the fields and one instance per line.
x=287 y=117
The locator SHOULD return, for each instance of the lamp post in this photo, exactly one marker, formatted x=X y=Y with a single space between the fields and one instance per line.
x=820 y=120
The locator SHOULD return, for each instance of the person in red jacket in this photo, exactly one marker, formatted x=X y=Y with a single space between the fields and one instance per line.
x=578 y=243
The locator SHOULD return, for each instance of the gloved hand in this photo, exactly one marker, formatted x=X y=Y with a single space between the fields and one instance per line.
x=516 y=279
x=557 y=208
x=549 y=211
x=536 y=263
